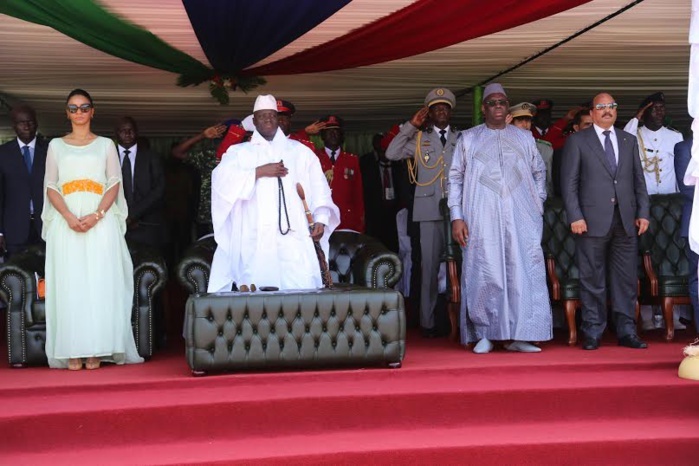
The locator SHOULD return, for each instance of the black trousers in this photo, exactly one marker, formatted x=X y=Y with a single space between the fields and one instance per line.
x=608 y=270
x=33 y=238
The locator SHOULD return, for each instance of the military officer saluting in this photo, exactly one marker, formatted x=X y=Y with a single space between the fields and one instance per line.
x=343 y=174
x=656 y=145
x=428 y=142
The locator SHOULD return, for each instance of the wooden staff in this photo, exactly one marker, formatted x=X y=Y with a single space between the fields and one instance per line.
x=324 y=270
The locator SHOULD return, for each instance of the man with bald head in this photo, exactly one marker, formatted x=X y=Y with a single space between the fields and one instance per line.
x=607 y=204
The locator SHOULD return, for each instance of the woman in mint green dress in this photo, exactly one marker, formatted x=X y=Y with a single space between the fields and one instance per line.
x=89 y=273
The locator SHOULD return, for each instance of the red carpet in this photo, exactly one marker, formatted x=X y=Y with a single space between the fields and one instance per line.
x=445 y=406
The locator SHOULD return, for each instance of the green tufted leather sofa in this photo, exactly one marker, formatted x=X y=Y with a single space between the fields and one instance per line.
x=562 y=271
x=558 y=244
x=665 y=259
x=354 y=259
x=26 y=322
x=284 y=329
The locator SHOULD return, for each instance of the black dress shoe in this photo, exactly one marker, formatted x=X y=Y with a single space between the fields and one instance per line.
x=590 y=343
x=632 y=341
x=430 y=332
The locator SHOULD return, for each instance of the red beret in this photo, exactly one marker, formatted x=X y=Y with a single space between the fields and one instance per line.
x=285 y=107
x=332 y=121
x=543 y=104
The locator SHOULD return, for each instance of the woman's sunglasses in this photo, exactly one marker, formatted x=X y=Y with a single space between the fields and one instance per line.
x=84 y=108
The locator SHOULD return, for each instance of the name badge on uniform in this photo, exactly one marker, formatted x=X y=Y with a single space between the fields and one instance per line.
x=389 y=194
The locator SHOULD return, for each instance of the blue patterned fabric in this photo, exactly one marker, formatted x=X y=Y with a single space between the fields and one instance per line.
x=497 y=186
x=235 y=34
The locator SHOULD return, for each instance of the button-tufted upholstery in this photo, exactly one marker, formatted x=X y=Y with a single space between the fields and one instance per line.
x=26 y=321
x=558 y=245
x=664 y=256
x=307 y=328
x=353 y=259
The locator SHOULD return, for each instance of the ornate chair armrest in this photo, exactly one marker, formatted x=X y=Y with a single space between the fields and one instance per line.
x=18 y=289
x=650 y=273
x=195 y=267
x=150 y=276
x=553 y=278
x=376 y=266
x=149 y=260
x=17 y=276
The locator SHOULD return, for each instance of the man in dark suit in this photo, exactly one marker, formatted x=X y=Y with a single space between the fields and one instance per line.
x=381 y=180
x=22 y=167
x=683 y=154
x=144 y=186
x=607 y=204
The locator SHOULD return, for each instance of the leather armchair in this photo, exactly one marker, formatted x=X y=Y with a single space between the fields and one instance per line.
x=354 y=259
x=26 y=319
x=665 y=259
x=562 y=272
x=561 y=269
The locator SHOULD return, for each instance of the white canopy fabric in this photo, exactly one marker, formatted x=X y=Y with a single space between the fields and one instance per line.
x=637 y=53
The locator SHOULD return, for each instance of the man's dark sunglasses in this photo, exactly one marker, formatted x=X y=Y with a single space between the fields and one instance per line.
x=496 y=102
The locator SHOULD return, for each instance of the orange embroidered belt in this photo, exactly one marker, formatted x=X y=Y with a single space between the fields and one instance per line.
x=82 y=185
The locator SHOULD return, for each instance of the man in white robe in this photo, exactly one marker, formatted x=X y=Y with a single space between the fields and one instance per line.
x=259 y=221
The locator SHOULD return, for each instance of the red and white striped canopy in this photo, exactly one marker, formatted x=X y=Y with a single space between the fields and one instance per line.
x=639 y=52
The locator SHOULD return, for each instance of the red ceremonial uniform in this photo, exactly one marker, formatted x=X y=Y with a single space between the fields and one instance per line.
x=234 y=135
x=302 y=137
x=555 y=134
x=388 y=137
x=345 y=181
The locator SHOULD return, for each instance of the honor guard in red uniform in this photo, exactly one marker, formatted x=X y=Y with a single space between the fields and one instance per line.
x=344 y=176
x=556 y=133
x=285 y=110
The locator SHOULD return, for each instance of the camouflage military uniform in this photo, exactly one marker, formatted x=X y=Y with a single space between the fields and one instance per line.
x=203 y=158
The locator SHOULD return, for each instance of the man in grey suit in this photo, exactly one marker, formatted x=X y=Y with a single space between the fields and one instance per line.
x=428 y=142
x=607 y=204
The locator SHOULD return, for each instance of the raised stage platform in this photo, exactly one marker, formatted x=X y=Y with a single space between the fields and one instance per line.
x=444 y=406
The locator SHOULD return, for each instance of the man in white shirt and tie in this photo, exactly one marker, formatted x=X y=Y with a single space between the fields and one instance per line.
x=427 y=141
x=607 y=205
x=22 y=167
x=144 y=186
